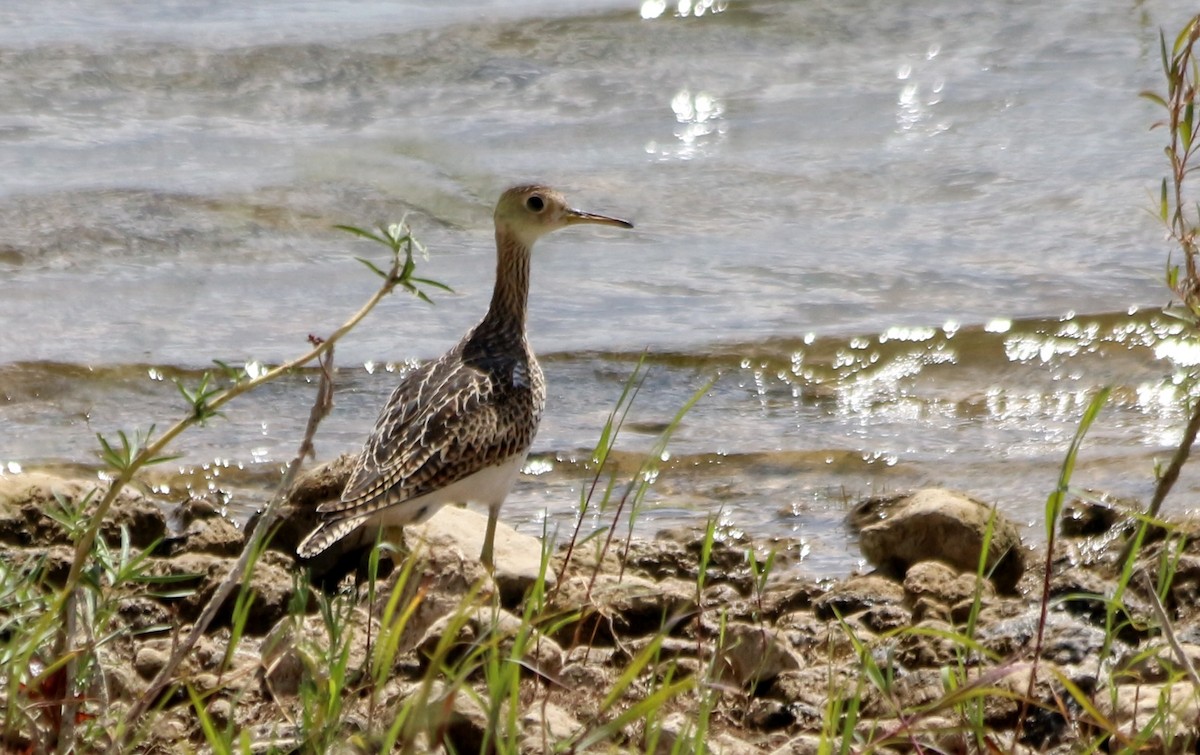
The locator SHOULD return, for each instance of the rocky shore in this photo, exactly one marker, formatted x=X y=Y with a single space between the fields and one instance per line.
x=655 y=646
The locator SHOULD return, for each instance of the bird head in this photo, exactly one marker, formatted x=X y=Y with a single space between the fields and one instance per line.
x=529 y=212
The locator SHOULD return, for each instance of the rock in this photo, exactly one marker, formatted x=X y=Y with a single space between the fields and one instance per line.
x=271 y=581
x=140 y=516
x=197 y=572
x=928 y=608
x=629 y=607
x=1184 y=593
x=932 y=647
x=885 y=617
x=1007 y=691
x=283 y=667
x=142 y=614
x=195 y=507
x=1169 y=713
x=677 y=733
x=643 y=606
x=546 y=724
x=464 y=727
x=753 y=655
x=1066 y=639
x=675 y=554
x=794 y=595
x=806 y=744
x=23 y=500
x=298 y=514
x=857 y=594
x=216 y=535
x=725 y=596
x=120 y=681
x=273 y=587
x=26 y=499
x=769 y=715
x=168 y=731
x=297 y=647
x=1157 y=665
x=813 y=686
x=442 y=581
x=149 y=661
x=1082 y=518
x=486 y=625
x=896 y=532
x=518 y=557
x=585 y=676
x=912 y=691
x=324 y=482
x=725 y=743
x=1085 y=594
x=942 y=583
x=221 y=711
x=52 y=564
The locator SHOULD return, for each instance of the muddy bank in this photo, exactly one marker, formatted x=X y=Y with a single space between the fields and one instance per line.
x=919 y=653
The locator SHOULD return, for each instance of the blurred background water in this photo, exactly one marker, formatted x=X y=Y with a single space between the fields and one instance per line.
x=911 y=239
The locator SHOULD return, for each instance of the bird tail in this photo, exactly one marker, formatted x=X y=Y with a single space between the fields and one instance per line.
x=325 y=535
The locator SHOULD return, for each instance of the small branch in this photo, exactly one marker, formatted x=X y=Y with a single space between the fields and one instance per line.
x=1171 y=474
x=1168 y=630
x=155 y=449
x=207 y=404
x=321 y=408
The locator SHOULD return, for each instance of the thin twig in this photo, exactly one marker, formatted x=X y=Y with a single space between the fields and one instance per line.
x=400 y=274
x=321 y=407
x=1168 y=631
x=155 y=449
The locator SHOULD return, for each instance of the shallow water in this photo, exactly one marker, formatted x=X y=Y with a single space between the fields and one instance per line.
x=873 y=221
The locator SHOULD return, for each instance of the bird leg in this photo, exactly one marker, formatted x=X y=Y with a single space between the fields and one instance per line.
x=489 y=537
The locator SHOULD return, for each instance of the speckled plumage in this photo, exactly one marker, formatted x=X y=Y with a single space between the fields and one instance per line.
x=456 y=430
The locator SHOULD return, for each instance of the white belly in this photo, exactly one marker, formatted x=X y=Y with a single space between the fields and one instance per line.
x=489 y=487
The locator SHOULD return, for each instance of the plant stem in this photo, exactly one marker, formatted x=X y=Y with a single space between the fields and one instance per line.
x=1171 y=474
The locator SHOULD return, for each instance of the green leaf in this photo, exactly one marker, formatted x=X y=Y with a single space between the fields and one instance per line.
x=433 y=283
x=211 y=735
x=1054 y=502
x=363 y=233
x=1164 y=206
x=372 y=267
x=1181 y=40
x=1162 y=46
x=1153 y=97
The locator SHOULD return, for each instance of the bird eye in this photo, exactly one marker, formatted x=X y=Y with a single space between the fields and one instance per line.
x=535 y=203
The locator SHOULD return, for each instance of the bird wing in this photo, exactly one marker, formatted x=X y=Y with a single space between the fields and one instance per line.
x=439 y=426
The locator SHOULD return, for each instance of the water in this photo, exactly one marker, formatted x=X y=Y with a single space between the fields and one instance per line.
x=876 y=223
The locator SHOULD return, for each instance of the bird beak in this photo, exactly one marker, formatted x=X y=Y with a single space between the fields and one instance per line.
x=579 y=216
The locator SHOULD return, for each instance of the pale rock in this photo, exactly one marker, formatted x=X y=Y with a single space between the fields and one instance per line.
x=517 y=557
x=299 y=647
x=677 y=732
x=25 y=498
x=1173 y=709
x=216 y=535
x=149 y=661
x=546 y=724
x=857 y=594
x=486 y=624
x=944 y=584
x=897 y=531
x=752 y=655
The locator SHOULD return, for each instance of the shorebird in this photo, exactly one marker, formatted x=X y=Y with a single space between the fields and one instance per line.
x=457 y=430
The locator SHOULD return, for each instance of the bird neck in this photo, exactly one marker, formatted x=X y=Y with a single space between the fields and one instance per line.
x=510 y=297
